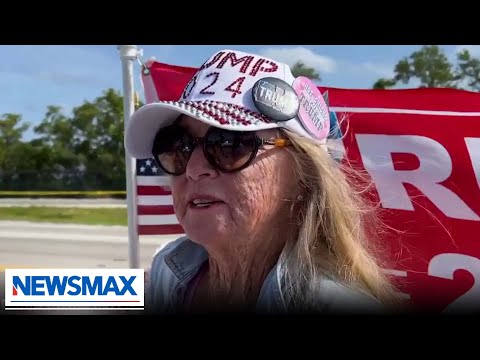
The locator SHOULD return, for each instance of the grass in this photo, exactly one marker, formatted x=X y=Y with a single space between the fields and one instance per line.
x=66 y=194
x=88 y=216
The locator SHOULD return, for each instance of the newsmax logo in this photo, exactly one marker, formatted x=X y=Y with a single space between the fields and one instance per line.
x=74 y=289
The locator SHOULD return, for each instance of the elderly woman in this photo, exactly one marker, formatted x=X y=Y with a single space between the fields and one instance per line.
x=271 y=222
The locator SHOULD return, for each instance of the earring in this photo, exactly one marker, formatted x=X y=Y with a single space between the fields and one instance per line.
x=299 y=198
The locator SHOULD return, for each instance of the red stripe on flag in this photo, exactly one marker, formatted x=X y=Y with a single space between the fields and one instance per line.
x=438 y=99
x=170 y=229
x=174 y=79
x=155 y=210
x=153 y=190
x=170 y=80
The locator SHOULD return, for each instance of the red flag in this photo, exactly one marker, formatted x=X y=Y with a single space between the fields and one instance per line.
x=421 y=148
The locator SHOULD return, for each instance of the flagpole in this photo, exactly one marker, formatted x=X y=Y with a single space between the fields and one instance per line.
x=128 y=54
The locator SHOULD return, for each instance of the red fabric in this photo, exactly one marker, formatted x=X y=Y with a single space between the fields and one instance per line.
x=446 y=237
x=170 y=80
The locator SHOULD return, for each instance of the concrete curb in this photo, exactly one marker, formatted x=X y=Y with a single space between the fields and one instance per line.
x=60 y=226
x=67 y=237
x=24 y=230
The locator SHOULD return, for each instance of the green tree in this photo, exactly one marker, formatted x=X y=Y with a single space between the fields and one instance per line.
x=300 y=69
x=431 y=68
x=384 y=83
x=468 y=68
x=11 y=129
x=58 y=133
x=11 y=133
x=80 y=151
x=23 y=165
x=99 y=128
x=87 y=148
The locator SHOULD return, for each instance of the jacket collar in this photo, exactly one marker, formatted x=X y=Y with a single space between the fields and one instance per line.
x=186 y=259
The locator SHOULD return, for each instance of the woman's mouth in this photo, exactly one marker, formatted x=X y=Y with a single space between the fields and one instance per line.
x=204 y=203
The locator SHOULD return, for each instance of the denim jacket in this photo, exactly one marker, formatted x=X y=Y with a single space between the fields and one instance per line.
x=178 y=262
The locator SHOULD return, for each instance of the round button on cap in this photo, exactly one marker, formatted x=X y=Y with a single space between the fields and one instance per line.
x=275 y=99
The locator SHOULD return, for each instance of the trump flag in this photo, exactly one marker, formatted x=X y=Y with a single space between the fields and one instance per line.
x=421 y=149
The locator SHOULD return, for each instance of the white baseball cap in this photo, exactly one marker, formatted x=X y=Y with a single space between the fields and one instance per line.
x=237 y=91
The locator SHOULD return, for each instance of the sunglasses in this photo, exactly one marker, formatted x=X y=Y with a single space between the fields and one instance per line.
x=227 y=151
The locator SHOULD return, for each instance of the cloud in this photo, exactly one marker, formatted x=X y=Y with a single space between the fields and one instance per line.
x=64 y=65
x=343 y=71
x=366 y=69
x=161 y=53
x=323 y=64
x=379 y=69
x=36 y=76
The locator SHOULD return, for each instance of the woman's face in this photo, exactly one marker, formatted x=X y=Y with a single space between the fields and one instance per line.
x=240 y=205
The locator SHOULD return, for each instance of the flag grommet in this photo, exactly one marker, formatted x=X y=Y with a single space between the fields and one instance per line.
x=145 y=70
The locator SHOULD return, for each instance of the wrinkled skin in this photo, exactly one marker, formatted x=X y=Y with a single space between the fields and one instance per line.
x=245 y=232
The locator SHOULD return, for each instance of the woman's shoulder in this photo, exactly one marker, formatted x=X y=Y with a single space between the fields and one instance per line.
x=168 y=248
x=171 y=268
x=179 y=253
x=339 y=297
x=177 y=258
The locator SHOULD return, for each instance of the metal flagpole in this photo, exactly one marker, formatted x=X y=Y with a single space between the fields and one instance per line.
x=128 y=54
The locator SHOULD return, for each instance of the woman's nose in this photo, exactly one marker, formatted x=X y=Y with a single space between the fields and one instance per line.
x=198 y=165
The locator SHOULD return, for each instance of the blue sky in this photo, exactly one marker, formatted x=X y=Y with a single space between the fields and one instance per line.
x=35 y=76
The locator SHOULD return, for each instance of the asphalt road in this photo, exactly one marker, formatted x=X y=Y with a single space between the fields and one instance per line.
x=25 y=244
x=37 y=245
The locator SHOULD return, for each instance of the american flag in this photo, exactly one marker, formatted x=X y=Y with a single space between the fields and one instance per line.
x=155 y=211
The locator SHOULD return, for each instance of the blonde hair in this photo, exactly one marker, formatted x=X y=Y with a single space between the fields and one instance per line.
x=337 y=228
